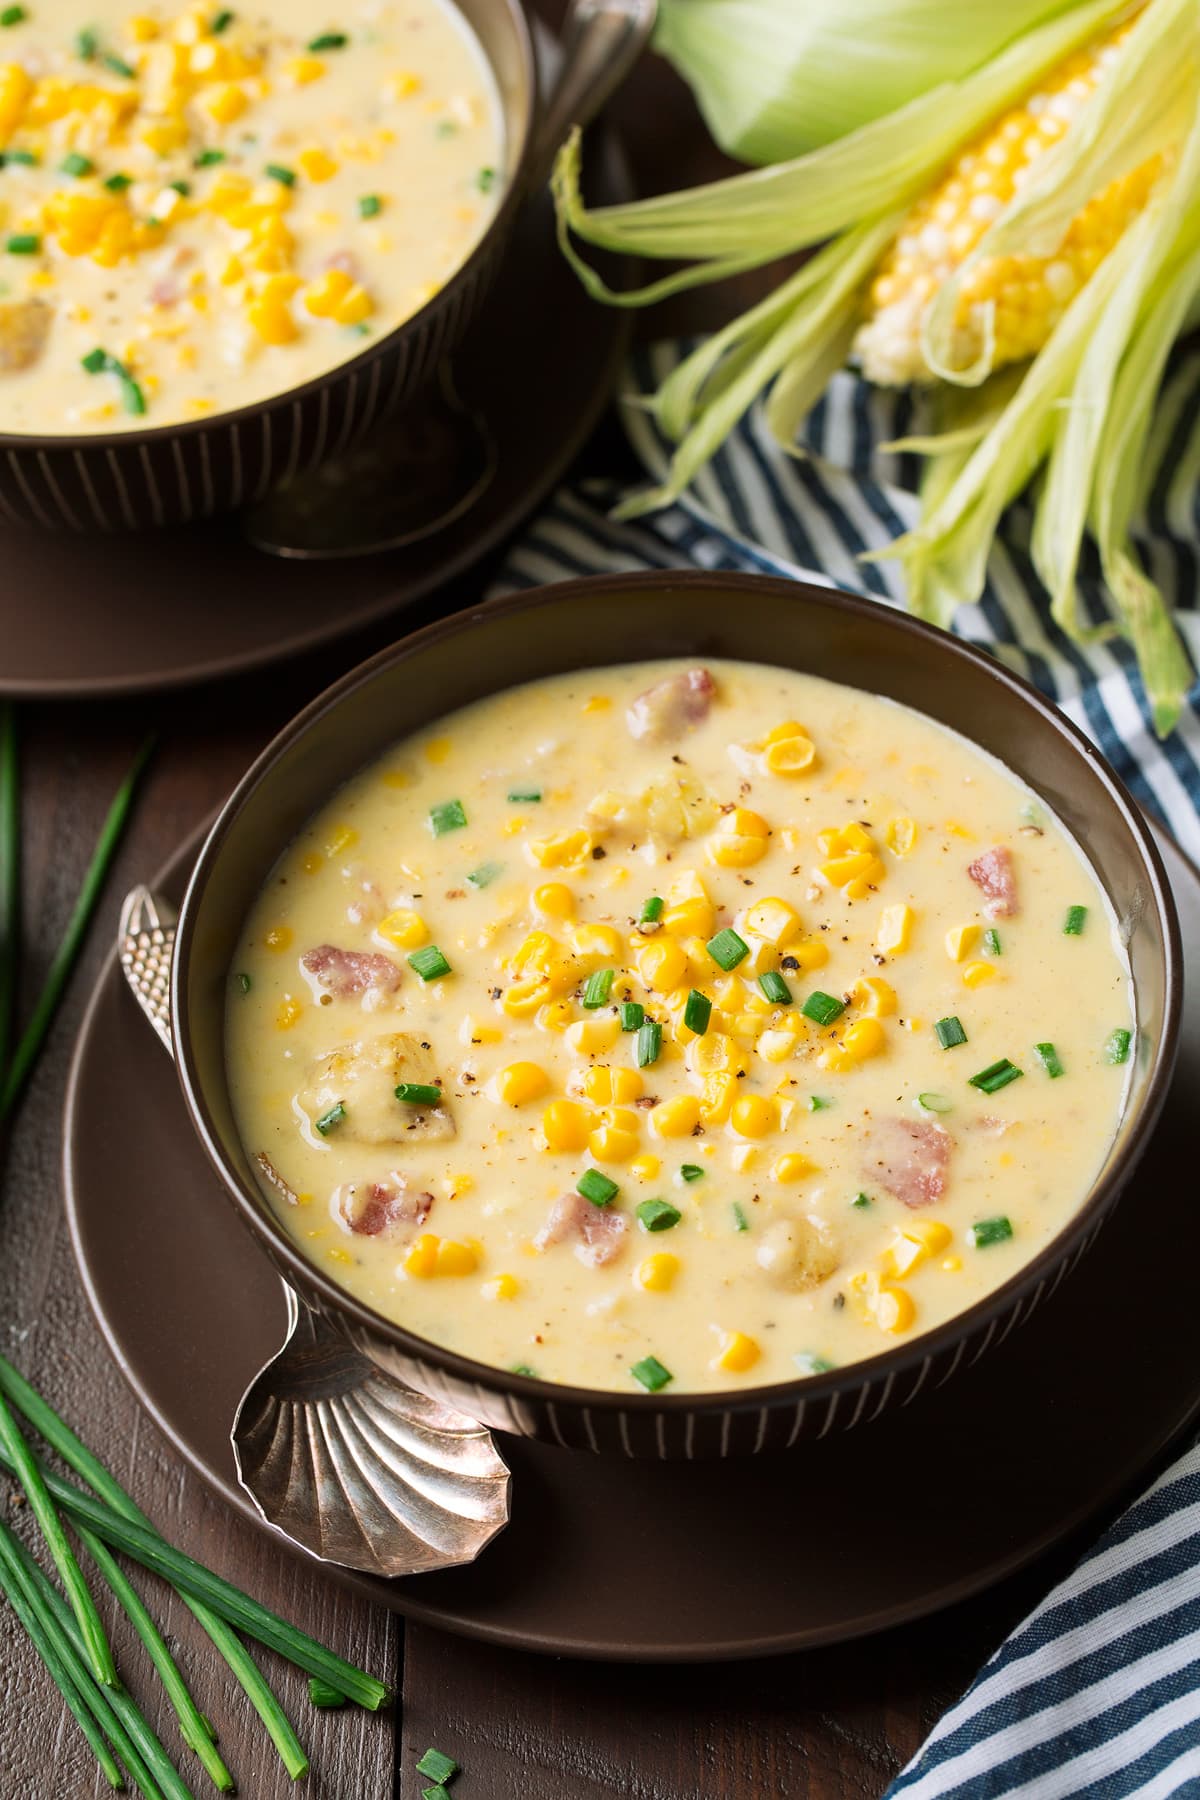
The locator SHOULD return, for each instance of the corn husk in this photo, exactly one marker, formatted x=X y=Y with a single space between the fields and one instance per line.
x=776 y=78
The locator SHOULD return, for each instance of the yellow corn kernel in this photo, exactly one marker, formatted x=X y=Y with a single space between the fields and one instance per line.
x=456 y=1259
x=606 y=1086
x=646 y=1167
x=565 y=1126
x=438 y=748
x=598 y=945
x=852 y=866
x=713 y=1052
x=863 y=1039
x=615 y=1139
x=597 y=703
x=304 y=69
x=404 y=928
x=278 y=937
x=312 y=862
x=740 y=839
x=894 y=1310
x=521 y=1082
x=402 y=85
x=270 y=317
x=915 y=1243
x=342 y=837
x=716 y=1100
x=677 y=1117
x=841 y=840
x=588 y=1037
x=754 y=1115
x=772 y=920
x=555 y=1015
x=955 y=829
x=952 y=1265
x=566 y=849
x=901 y=835
x=738 y=1353
x=895 y=929
x=142 y=29
x=694 y=918
x=875 y=996
x=792 y=755
x=355 y=307
x=288 y=1013
x=810 y=953
x=323 y=296
x=776 y=1046
x=317 y=164
x=336 y=1254
x=523 y=998
x=554 y=900
x=421 y=1260
x=663 y=965
x=227 y=104
x=961 y=941
x=792 y=1166
x=501 y=1287
x=657 y=1273
x=535 y=954
x=976 y=974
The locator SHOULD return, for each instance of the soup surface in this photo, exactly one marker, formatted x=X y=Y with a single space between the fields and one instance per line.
x=679 y=1025
x=201 y=207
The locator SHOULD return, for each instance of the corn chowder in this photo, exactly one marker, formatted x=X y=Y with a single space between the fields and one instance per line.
x=200 y=208
x=676 y=1025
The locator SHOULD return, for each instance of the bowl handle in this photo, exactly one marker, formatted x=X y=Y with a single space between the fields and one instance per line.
x=601 y=41
x=346 y=1461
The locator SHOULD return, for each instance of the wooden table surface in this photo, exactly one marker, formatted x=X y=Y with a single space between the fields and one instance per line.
x=826 y=1724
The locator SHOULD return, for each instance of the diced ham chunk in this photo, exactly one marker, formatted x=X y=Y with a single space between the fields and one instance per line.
x=347 y=974
x=994 y=875
x=909 y=1158
x=599 y=1231
x=669 y=708
x=376 y=1208
x=273 y=1178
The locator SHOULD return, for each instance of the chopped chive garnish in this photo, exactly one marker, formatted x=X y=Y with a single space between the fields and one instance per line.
x=182 y=188
x=633 y=1014
x=727 y=949
x=740 y=1221
x=697 y=1012
x=429 y=963
x=822 y=1008
x=95 y=361
x=335 y=40
x=649 y=1043
x=86 y=44
x=525 y=796
x=658 y=1215
x=369 y=206
x=445 y=128
x=934 y=1103
x=1116 y=1045
x=598 y=988
x=278 y=172
x=116 y=184
x=13 y=15
x=327 y=1121
x=651 y=1374
x=449 y=816
x=524 y=1369
x=818 y=1103
x=1032 y=814
x=862 y=1201
x=418 y=1093
x=1075 y=920
x=435 y=1763
x=118 y=66
x=691 y=1172
x=989 y=1231
x=991 y=941
x=775 y=988
x=652 y=911
x=98 y=362
x=207 y=159
x=484 y=875
x=949 y=1032
x=808 y=1364
x=996 y=1076
x=1047 y=1055
x=245 y=983
x=221 y=21
x=485 y=181
x=23 y=243
x=597 y=1188
x=27 y=159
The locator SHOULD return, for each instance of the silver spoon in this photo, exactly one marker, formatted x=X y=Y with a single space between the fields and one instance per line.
x=349 y=1463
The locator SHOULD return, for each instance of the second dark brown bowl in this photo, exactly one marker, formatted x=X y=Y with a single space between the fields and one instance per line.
x=632 y=617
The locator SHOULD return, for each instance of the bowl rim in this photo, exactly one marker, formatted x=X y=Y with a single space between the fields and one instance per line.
x=890 y=1362
x=29 y=442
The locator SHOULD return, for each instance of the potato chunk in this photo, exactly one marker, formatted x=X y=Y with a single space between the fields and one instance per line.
x=364 y=1076
x=24 y=328
x=797 y=1253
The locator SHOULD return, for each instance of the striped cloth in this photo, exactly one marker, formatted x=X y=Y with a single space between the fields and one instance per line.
x=1098 y=1692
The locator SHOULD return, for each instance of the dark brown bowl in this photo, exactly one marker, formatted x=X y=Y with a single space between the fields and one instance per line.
x=174 y=474
x=614 y=618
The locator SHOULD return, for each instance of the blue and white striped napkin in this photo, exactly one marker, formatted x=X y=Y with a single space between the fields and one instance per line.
x=1098 y=1692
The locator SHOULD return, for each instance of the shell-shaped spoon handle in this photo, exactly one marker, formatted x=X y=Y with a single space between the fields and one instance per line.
x=342 y=1458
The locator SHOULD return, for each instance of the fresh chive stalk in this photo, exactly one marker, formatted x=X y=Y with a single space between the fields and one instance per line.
x=23 y=243
x=34 y=1034
x=10 y=872
x=1048 y=1056
x=28 y=1473
x=324 y=1694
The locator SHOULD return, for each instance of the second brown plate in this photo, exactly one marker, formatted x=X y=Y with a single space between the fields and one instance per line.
x=676 y=1561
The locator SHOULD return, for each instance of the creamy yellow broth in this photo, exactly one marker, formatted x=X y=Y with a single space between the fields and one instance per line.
x=204 y=206
x=840 y=1184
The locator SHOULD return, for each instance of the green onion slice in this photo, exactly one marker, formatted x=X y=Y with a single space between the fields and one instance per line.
x=658 y=1215
x=740 y=1221
x=949 y=1032
x=335 y=40
x=775 y=988
x=989 y=1231
x=691 y=1172
x=26 y=158
x=485 y=181
x=244 y=982
x=1048 y=1056
x=278 y=172
x=329 y=1121
x=633 y=1014
x=207 y=159
x=118 y=66
x=597 y=1188
x=649 y=1043
x=822 y=1008
x=429 y=963
x=727 y=949
x=651 y=1374
x=13 y=15
x=997 y=1075
x=862 y=1201
x=991 y=941
x=1075 y=920
x=818 y=1103
x=449 y=816
x=598 y=989
x=808 y=1364
x=23 y=243
x=934 y=1103
x=525 y=796
x=117 y=183
x=369 y=206
x=484 y=875
x=221 y=21
x=75 y=164
x=418 y=1093
x=697 y=1012
x=1116 y=1045
x=652 y=911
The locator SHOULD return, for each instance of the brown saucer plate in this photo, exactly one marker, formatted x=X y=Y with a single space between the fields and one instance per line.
x=669 y=1561
x=85 y=616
